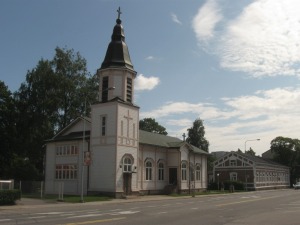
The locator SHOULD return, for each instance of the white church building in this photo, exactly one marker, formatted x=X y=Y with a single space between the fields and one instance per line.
x=108 y=154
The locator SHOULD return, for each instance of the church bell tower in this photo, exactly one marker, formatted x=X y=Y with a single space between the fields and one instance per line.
x=115 y=122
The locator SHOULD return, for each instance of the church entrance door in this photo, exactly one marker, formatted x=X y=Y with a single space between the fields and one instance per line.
x=173 y=176
x=127 y=183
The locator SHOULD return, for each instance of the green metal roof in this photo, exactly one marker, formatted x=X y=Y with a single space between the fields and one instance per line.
x=149 y=138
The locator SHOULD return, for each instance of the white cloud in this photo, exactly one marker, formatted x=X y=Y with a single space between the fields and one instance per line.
x=175 y=18
x=146 y=83
x=149 y=57
x=263 y=40
x=266 y=114
x=206 y=19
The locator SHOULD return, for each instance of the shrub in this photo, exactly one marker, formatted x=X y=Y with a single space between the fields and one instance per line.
x=237 y=185
x=8 y=197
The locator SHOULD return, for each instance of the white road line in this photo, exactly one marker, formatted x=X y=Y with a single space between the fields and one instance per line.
x=161 y=213
x=82 y=216
x=50 y=213
x=4 y=220
x=36 y=217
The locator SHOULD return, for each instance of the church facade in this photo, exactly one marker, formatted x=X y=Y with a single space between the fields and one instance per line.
x=108 y=154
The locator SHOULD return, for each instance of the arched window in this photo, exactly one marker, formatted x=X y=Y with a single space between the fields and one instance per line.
x=148 y=170
x=127 y=164
x=183 y=171
x=198 y=172
x=160 y=171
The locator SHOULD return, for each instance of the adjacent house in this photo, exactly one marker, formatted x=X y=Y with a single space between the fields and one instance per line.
x=255 y=172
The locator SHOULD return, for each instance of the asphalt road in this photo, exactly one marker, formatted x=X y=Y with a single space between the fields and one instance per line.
x=280 y=207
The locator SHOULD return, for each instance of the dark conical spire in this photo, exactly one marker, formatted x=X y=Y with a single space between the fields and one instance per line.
x=117 y=54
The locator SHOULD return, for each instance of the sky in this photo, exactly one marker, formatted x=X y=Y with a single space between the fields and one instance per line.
x=235 y=64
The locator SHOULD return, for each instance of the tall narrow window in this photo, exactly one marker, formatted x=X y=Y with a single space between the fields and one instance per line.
x=160 y=171
x=129 y=90
x=122 y=128
x=192 y=172
x=183 y=171
x=104 y=89
x=127 y=164
x=198 y=172
x=148 y=170
x=103 y=125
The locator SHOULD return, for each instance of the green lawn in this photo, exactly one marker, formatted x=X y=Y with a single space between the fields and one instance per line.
x=69 y=198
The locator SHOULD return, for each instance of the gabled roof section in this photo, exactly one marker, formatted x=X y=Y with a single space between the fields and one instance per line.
x=248 y=159
x=149 y=138
x=63 y=134
x=117 y=54
x=159 y=140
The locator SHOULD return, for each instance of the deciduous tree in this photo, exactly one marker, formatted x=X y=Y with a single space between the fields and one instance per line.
x=149 y=124
x=196 y=135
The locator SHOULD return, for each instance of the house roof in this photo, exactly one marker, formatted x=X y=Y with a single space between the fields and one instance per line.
x=255 y=159
x=145 y=137
x=155 y=139
x=72 y=135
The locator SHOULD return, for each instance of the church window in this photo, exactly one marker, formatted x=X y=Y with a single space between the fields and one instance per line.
x=127 y=164
x=66 y=172
x=233 y=176
x=148 y=170
x=198 y=172
x=133 y=127
x=122 y=128
x=192 y=172
x=104 y=89
x=65 y=150
x=183 y=171
x=103 y=125
x=160 y=171
x=129 y=90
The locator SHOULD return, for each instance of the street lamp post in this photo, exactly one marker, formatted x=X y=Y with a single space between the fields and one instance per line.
x=258 y=139
x=218 y=181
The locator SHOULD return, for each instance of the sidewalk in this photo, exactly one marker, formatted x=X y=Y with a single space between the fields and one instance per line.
x=32 y=202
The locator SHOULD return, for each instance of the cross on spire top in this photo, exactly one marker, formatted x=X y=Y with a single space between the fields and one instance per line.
x=119 y=12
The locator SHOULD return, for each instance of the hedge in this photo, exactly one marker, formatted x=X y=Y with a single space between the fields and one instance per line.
x=8 y=197
x=226 y=185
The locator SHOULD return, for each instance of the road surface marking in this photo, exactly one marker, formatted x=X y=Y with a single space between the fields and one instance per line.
x=96 y=221
x=5 y=220
x=250 y=200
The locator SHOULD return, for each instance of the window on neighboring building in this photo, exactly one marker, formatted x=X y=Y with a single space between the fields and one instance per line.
x=148 y=170
x=66 y=172
x=198 y=172
x=104 y=89
x=233 y=176
x=127 y=164
x=160 y=171
x=232 y=162
x=183 y=171
x=103 y=125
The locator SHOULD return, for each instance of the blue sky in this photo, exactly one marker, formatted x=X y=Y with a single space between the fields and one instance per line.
x=234 y=64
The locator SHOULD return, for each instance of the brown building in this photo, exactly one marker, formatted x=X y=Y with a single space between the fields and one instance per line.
x=255 y=172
